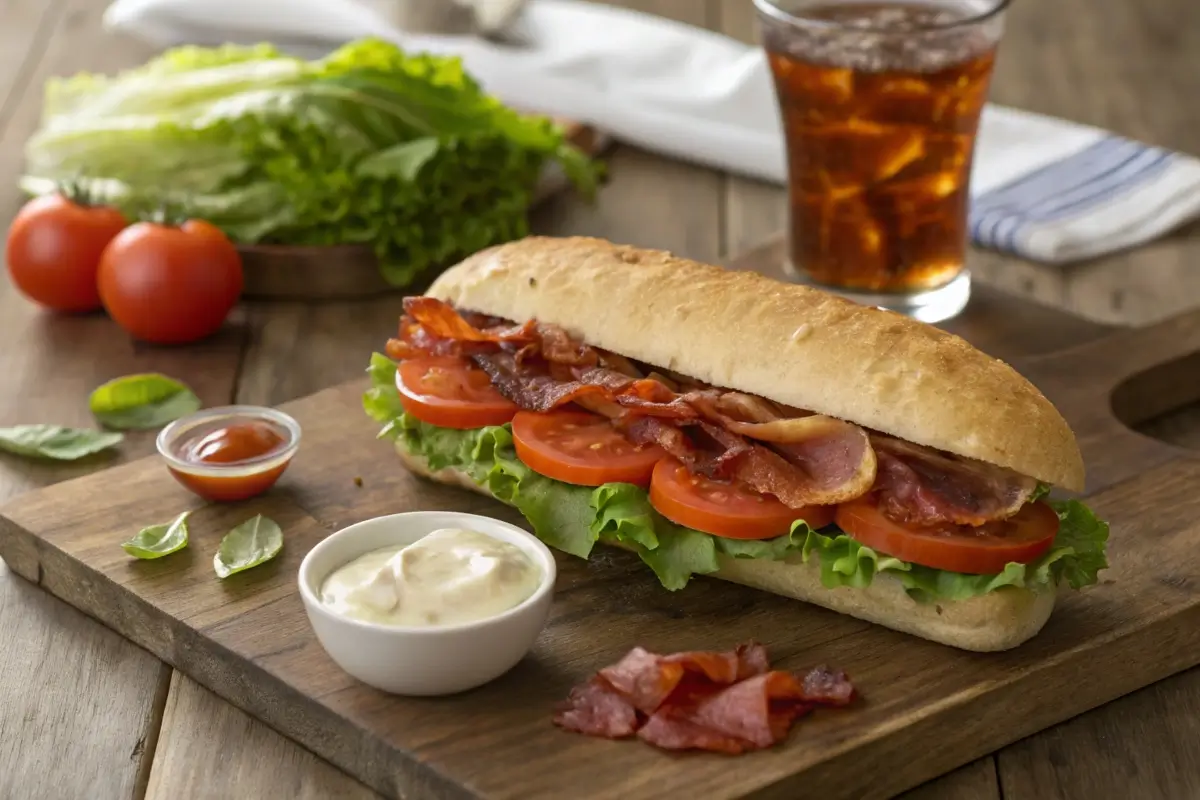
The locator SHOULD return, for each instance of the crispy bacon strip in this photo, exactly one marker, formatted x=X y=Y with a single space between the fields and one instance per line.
x=558 y=347
x=440 y=320
x=922 y=486
x=815 y=460
x=540 y=387
x=530 y=389
x=727 y=702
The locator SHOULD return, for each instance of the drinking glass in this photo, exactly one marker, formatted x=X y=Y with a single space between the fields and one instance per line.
x=880 y=104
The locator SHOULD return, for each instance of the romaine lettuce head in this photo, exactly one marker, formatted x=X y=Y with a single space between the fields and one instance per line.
x=369 y=145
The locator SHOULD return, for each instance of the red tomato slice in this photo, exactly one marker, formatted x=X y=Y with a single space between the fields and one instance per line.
x=982 y=550
x=581 y=448
x=449 y=392
x=724 y=509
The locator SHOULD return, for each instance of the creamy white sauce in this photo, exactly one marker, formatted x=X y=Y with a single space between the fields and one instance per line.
x=449 y=577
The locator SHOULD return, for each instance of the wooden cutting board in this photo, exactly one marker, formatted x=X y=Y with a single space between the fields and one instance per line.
x=926 y=708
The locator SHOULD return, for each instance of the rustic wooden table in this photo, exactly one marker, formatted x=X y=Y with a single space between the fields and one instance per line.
x=84 y=713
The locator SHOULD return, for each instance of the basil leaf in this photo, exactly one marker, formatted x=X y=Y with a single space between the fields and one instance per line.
x=148 y=400
x=55 y=441
x=255 y=541
x=157 y=541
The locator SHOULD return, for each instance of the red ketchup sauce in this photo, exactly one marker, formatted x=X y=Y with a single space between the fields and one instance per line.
x=230 y=459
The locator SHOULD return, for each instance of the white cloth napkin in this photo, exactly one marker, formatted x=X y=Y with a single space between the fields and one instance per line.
x=1043 y=188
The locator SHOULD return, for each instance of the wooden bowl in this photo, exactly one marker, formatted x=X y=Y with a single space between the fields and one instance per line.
x=346 y=272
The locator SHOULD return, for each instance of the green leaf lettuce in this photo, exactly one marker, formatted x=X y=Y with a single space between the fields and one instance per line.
x=369 y=145
x=573 y=518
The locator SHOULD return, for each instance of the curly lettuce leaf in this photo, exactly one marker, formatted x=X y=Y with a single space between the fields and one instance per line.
x=1076 y=556
x=370 y=145
x=574 y=518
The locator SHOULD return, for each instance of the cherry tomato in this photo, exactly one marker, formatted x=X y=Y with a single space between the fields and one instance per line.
x=170 y=285
x=581 y=448
x=725 y=509
x=982 y=550
x=231 y=444
x=450 y=392
x=54 y=248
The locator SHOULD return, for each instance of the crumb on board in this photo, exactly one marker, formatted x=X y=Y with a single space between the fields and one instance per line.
x=357 y=481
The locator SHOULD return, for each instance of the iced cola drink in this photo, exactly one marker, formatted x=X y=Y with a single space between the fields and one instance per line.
x=880 y=104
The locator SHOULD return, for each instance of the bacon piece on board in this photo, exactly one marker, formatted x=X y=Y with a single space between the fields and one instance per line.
x=727 y=702
x=596 y=709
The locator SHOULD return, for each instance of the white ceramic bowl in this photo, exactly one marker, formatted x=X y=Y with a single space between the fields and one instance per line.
x=424 y=661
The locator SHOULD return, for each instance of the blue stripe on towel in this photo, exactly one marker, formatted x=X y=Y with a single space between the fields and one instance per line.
x=1035 y=183
x=992 y=208
x=1124 y=160
x=1066 y=188
x=1120 y=181
x=1149 y=163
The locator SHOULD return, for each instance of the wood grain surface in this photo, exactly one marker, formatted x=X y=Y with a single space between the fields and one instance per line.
x=205 y=745
x=1125 y=66
x=247 y=638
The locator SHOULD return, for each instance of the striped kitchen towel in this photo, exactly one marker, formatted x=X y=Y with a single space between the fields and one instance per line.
x=1042 y=188
x=1057 y=192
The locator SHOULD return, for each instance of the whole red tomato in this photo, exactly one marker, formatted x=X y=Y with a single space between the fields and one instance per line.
x=170 y=285
x=54 y=248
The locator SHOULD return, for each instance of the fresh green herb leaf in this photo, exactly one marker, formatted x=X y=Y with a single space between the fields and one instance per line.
x=148 y=400
x=55 y=441
x=255 y=541
x=157 y=541
x=1040 y=491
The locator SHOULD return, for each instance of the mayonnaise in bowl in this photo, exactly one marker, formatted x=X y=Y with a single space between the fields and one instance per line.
x=448 y=577
x=428 y=602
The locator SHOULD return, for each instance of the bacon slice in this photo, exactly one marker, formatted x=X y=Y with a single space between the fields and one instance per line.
x=530 y=388
x=834 y=458
x=440 y=320
x=542 y=387
x=727 y=702
x=558 y=347
x=673 y=730
x=922 y=486
x=596 y=709
x=433 y=328
x=648 y=679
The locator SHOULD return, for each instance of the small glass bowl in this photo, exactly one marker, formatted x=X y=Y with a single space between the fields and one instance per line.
x=238 y=480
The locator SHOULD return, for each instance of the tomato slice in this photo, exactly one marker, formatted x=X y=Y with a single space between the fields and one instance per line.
x=724 y=509
x=982 y=550
x=581 y=448
x=450 y=392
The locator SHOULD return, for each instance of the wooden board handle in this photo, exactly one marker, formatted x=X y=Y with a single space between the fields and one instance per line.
x=1107 y=386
